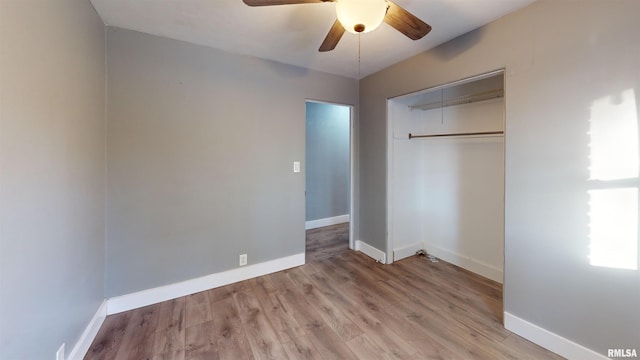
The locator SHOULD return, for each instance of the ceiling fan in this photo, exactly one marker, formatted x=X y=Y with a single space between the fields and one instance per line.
x=361 y=16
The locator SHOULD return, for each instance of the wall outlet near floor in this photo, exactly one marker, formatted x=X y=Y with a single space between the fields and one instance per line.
x=243 y=259
x=60 y=353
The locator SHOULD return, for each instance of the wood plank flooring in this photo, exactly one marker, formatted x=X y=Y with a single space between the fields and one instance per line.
x=327 y=242
x=340 y=305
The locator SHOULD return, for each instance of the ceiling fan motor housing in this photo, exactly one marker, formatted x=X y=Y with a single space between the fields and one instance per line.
x=361 y=16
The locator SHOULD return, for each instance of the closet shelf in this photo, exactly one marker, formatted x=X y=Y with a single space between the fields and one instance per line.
x=464 y=99
x=485 y=133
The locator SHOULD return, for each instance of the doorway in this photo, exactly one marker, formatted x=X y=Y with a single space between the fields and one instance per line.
x=329 y=175
x=446 y=174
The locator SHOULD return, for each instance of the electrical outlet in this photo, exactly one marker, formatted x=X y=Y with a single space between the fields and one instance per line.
x=60 y=353
x=243 y=259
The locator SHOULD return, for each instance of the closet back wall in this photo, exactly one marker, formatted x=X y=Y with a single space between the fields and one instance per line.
x=201 y=145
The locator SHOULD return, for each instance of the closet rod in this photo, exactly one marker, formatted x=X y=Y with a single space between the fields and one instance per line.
x=411 y=136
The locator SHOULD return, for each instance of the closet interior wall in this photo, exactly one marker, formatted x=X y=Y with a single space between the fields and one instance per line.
x=447 y=193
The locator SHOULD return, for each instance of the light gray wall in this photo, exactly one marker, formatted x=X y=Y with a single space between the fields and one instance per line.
x=201 y=145
x=327 y=160
x=52 y=148
x=560 y=57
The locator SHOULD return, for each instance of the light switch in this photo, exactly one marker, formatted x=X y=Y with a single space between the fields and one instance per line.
x=296 y=166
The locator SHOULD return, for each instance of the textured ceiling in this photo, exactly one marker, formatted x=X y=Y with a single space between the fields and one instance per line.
x=292 y=33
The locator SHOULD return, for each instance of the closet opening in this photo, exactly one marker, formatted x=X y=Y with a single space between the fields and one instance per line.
x=445 y=174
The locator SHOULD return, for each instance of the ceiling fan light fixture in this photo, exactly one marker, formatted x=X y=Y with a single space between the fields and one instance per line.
x=361 y=16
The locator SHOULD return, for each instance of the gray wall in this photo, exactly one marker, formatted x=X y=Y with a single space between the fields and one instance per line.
x=52 y=128
x=560 y=57
x=327 y=160
x=201 y=145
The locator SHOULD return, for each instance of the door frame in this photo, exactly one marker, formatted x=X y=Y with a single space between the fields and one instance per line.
x=390 y=153
x=352 y=154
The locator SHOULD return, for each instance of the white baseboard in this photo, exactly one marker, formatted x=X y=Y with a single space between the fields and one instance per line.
x=371 y=252
x=313 y=224
x=545 y=338
x=82 y=346
x=406 y=251
x=167 y=292
x=465 y=262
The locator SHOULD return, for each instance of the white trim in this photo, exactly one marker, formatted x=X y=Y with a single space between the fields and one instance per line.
x=88 y=335
x=313 y=224
x=352 y=156
x=466 y=262
x=453 y=83
x=547 y=339
x=406 y=251
x=371 y=252
x=167 y=292
x=390 y=180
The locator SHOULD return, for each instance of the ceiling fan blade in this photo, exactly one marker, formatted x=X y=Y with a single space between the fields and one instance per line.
x=334 y=35
x=405 y=22
x=282 y=2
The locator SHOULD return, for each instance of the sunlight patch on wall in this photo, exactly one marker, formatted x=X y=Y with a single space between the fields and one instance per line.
x=614 y=170
x=614 y=138
x=614 y=228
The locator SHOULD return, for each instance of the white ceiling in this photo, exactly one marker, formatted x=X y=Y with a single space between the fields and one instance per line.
x=292 y=33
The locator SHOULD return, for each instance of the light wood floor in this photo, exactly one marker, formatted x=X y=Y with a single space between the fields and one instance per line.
x=341 y=305
x=327 y=242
